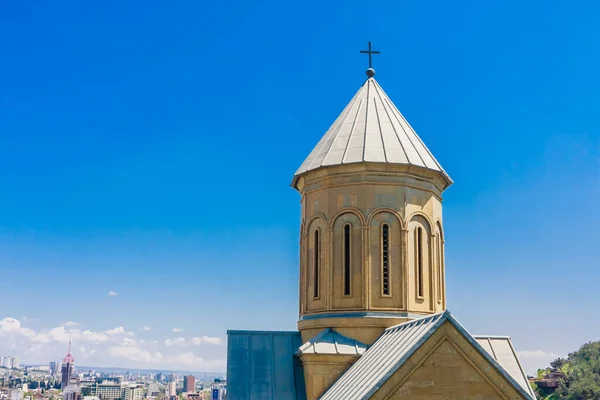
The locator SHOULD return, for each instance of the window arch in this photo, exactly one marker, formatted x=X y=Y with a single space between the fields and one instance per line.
x=316 y=262
x=385 y=260
x=347 y=251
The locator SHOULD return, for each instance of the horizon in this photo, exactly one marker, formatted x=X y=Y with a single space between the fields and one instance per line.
x=146 y=155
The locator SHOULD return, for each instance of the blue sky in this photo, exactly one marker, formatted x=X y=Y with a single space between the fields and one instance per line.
x=147 y=149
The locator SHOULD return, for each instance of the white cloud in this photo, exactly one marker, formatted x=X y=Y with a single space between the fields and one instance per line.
x=59 y=334
x=145 y=328
x=27 y=332
x=175 y=342
x=40 y=338
x=71 y=323
x=35 y=348
x=189 y=360
x=134 y=354
x=94 y=337
x=206 y=339
x=536 y=354
x=129 y=342
x=113 y=293
x=176 y=330
x=118 y=330
x=9 y=324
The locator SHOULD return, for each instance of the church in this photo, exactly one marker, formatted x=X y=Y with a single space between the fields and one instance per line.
x=373 y=322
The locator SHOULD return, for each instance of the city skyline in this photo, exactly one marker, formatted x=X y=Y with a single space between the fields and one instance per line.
x=121 y=346
x=146 y=206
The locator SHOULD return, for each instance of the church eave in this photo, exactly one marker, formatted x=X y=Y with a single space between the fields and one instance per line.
x=441 y=178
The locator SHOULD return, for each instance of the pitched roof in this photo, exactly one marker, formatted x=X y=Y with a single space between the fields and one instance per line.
x=501 y=348
x=393 y=348
x=262 y=365
x=330 y=341
x=370 y=129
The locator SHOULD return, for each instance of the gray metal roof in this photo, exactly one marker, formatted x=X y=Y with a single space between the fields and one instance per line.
x=370 y=129
x=501 y=348
x=389 y=353
x=262 y=366
x=331 y=342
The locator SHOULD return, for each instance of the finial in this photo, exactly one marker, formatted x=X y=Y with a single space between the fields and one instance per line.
x=370 y=71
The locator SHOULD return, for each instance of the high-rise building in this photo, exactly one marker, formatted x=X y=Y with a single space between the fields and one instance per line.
x=189 y=384
x=15 y=362
x=53 y=368
x=68 y=367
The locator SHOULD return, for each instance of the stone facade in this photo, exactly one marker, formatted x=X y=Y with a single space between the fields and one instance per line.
x=322 y=370
x=447 y=367
x=371 y=248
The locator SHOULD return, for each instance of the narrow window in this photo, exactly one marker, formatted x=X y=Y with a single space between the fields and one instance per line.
x=347 y=249
x=439 y=266
x=317 y=257
x=385 y=259
x=420 y=262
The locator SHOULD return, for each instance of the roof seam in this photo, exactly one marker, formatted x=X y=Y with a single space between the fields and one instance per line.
x=364 y=149
x=395 y=132
x=408 y=136
x=380 y=130
x=419 y=139
x=351 y=131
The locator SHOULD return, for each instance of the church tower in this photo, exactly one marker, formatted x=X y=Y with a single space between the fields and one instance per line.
x=371 y=236
x=372 y=241
x=373 y=322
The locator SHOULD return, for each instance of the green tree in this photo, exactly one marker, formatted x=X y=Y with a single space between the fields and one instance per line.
x=582 y=381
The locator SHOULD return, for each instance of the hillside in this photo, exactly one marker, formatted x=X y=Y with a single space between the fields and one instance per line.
x=575 y=378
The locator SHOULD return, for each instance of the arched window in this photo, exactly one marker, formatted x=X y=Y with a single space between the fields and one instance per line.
x=316 y=259
x=385 y=259
x=347 y=252
x=419 y=259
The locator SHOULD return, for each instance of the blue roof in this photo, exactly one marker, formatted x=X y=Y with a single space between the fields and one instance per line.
x=262 y=366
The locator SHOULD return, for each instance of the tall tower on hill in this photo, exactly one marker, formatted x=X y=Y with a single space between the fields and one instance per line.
x=372 y=241
x=68 y=366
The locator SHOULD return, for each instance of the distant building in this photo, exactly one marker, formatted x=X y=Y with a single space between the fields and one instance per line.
x=15 y=394
x=189 y=384
x=153 y=389
x=159 y=377
x=133 y=393
x=106 y=390
x=72 y=392
x=218 y=393
x=9 y=361
x=68 y=367
x=171 y=389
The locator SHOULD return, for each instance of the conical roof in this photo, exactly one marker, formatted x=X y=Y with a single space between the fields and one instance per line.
x=370 y=129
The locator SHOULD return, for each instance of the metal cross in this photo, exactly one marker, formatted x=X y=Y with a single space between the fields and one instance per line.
x=370 y=53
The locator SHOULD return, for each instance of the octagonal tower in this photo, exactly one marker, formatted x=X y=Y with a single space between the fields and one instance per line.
x=372 y=241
